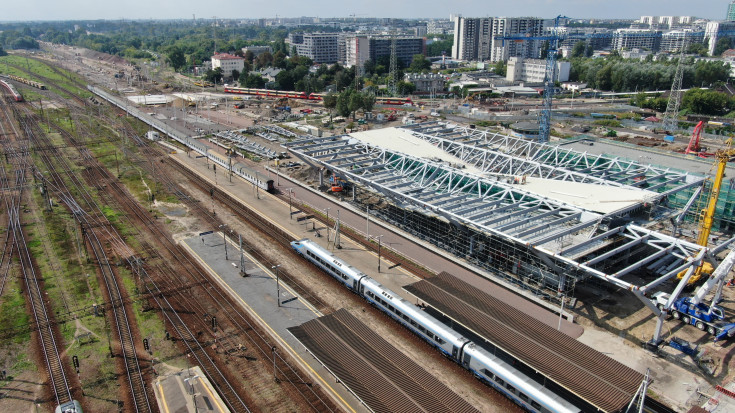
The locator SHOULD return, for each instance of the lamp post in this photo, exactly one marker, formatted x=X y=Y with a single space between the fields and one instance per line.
x=290 y=210
x=224 y=238
x=327 y=209
x=379 y=245
x=278 y=285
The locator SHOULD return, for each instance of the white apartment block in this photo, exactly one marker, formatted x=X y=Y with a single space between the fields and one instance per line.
x=674 y=40
x=472 y=38
x=516 y=26
x=534 y=70
x=228 y=63
x=714 y=31
x=628 y=39
x=319 y=47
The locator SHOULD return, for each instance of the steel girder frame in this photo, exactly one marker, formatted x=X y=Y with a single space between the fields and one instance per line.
x=521 y=157
x=411 y=181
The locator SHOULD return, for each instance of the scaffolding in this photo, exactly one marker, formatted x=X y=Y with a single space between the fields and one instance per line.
x=487 y=218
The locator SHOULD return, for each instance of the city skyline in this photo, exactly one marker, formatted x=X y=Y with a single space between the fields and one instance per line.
x=45 y=10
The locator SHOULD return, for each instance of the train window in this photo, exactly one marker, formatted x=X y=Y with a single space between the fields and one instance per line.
x=413 y=323
x=535 y=405
x=510 y=388
x=405 y=317
x=499 y=380
x=489 y=374
x=523 y=396
x=390 y=307
x=422 y=329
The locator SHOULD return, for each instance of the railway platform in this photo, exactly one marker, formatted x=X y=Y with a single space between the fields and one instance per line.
x=273 y=304
x=187 y=391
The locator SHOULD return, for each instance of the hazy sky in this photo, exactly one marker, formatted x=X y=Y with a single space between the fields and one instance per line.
x=170 y=9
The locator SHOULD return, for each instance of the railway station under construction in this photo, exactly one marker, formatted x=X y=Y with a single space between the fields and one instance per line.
x=540 y=216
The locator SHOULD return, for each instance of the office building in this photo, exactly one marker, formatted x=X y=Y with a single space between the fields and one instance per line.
x=731 y=11
x=674 y=40
x=426 y=82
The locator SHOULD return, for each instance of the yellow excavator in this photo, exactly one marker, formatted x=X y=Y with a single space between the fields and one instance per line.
x=707 y=215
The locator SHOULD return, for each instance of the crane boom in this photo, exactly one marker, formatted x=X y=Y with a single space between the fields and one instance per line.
x=718 y=276
x=708 y=215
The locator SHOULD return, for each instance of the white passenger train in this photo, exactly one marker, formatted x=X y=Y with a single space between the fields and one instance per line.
x=524 y=391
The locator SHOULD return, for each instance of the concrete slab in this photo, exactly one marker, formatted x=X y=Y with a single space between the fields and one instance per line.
x=187 y=391
x=273 y=304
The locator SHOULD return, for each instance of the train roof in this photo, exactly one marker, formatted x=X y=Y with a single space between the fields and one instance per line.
x=594 y=377
x=384 y=378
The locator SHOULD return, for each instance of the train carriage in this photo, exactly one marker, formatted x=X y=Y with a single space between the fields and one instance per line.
x=498 y=374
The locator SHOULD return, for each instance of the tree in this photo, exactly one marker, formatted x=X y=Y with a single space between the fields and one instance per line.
x=330 y=101
x=249 y=56
x=706 y=73
x=589 y=50
x=722 y=44
x=176 y=58
x=579 y=49
x=697 y=48
x=705 y=102
x=253 y=80
x=235 y=74
x=343 y=103
x=368 y=102
x=500 y=68
x=3 y=52
x=214 y=76
x=405 y=88
x=419 y=64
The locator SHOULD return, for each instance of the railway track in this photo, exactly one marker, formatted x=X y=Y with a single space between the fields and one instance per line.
x=42 y=314
x=95 y=233
x=228 y=316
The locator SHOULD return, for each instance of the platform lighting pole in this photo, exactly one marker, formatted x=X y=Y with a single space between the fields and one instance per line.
x=224 y=238
x=278 y=291
x=290 y=210
x=367 y=222
x=327 y=209
x=242 y=258
x=379 y=237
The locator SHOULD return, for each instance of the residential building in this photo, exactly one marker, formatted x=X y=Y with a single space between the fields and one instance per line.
x=534 y=70
x=472 y=38
x=714 y=31
x=674 y=40
x=501 y=50
x=257 y=50
x=426 y=82
x=628 y=39
x=359 y=48
x=731 y=11
x=439 y=26
x=228 y=63
x=420 y=31
x=319 y=47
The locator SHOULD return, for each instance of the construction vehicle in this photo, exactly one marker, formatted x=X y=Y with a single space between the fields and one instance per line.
x=707 y=216
x=693 y=147
x=693 y=311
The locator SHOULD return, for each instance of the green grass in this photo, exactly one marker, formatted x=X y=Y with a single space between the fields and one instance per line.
x=42 y=69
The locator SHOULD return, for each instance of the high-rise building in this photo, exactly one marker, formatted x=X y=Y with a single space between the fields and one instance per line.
x=472 y=38
x=359 y=48
x=516 y=26
x=628 y=39
x=319 y=47
x=714 y=31
x=731 y=12
x=672 y=41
